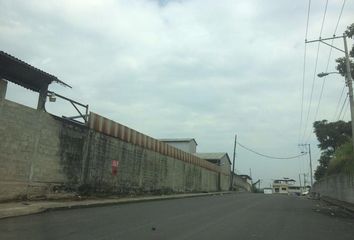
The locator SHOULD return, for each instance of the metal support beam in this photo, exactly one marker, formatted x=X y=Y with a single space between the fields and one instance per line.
x=332 y=46
x=42 y=98
x=3 y=88
x=323 y=39
x=74 y=103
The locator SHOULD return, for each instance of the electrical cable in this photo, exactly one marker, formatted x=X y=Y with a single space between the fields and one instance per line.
x=346 y=111
x=311 y=94
x=341 y=95
x=340 y=15
x=315 y=73
x=327 y=66
x=267 y=156
x=304 y=68
x=338 y=103
x=340 y=113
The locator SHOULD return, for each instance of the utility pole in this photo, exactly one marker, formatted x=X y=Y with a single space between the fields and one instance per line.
x=310 y=159
x=304 y=179
x=310 y=164
x=350 y=85
x=300 y=182
x=233 y=163
x=348 y=74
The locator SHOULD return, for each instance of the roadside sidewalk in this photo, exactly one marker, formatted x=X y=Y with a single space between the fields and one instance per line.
x=14 y=209
x=344 y=205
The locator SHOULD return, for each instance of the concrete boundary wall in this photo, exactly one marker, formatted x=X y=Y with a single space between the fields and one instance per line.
x=339 y=187
x=42 y=154
x=114 y=129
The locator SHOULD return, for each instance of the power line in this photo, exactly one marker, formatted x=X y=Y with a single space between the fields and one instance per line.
x=267 y=156
x=338 y=103
x=315 y=71
x=346 y=111
x=340 y=15
x=324 y=17
x=312 y=88
x=304 y=68
x=341 y=95
x=327 y=65
x=329 y=58
x=340 y=113
x=308 y=18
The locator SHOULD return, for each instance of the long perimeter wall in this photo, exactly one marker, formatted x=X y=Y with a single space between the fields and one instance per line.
x=339 y=187
x=42 y=154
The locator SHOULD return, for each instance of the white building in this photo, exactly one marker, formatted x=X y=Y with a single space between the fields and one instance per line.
x=282 y=185
x=188 y=145
x=287 y=186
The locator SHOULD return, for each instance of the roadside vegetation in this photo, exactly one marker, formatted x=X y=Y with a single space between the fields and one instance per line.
x=342 y=161
x=336 y=144
x=336 y=148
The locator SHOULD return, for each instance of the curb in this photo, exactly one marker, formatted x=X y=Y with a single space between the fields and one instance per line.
x=37 y=208
x=347 y=206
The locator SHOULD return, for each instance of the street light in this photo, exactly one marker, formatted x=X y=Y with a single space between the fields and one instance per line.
x=348 y=74
x=323 y=74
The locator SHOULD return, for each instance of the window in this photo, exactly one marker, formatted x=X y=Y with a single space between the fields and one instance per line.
x=283 y=189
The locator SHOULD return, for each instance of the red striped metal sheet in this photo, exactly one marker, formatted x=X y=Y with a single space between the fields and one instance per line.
x=114 y=129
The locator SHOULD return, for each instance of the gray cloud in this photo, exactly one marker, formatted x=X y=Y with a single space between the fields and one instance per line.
x=202 y=69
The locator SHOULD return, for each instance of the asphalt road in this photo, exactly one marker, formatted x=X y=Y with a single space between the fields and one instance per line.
x=234 y=216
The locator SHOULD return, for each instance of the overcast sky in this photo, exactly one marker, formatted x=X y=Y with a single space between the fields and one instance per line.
x=198 y=68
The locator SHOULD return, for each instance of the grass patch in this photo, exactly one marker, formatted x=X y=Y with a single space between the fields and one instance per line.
x=343 y=160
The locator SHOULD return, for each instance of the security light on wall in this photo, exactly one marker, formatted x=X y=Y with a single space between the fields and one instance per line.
x=52 y=97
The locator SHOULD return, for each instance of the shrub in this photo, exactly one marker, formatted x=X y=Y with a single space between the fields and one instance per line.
x=343 y=160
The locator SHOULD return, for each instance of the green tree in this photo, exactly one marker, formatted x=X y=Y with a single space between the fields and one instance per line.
x=341 y=65
x=343 y=161
x=330 y=136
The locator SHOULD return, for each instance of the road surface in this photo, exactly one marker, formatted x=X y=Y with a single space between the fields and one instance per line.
x=232 y=216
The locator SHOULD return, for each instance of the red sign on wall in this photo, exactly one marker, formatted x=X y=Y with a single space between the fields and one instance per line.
x=115 y=164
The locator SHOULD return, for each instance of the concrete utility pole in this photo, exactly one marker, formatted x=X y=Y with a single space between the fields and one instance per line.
x=348 y=74
x=310 y=159
x=311 y=179
x=350 y=85
x=300 y=182
x=233 y=163
x=304 y=180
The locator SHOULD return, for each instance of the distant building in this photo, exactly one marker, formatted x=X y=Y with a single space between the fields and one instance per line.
x=241 y=183
x=282 y=185
x=221 y=159
x=287 y=186
x=246 y=178
x=188 y=145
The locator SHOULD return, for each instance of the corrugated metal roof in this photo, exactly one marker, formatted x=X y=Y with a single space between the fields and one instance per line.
x=23 y=74
x=210 y=156
x=178 y=140
x=213 y=155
